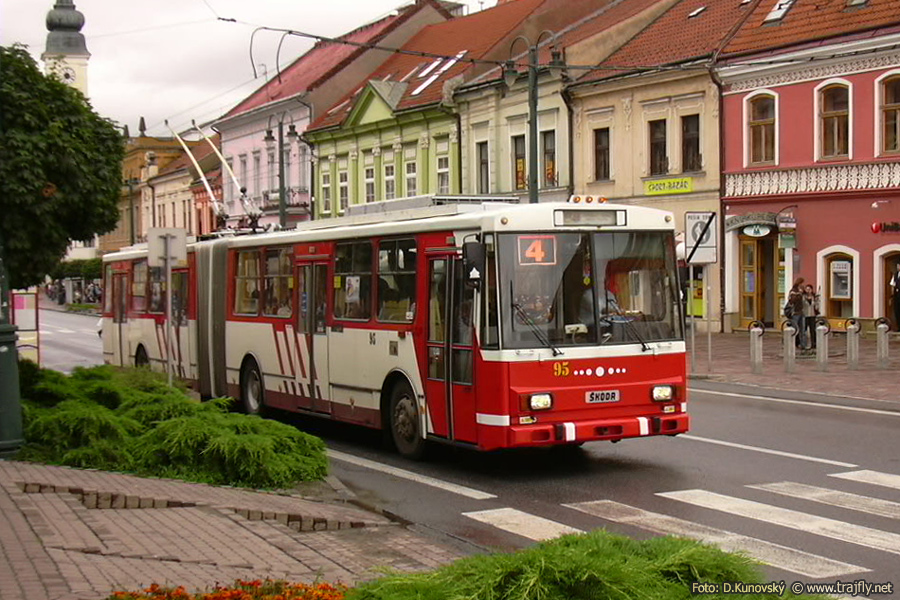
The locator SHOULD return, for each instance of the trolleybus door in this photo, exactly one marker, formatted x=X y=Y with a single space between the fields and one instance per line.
x=449 y=388
x=311 y=338
x=119 y=318
x=182 y=346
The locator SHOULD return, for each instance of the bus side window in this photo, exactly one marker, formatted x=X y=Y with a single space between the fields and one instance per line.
x=246 y=283
x=353 y=281
x=396 y=281
x=279 y=294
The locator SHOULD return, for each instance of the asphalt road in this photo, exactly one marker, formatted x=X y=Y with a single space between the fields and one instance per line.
x=783 y=475
x=69 y=340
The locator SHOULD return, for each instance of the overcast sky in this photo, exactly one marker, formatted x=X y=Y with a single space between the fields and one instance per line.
x=172 y=59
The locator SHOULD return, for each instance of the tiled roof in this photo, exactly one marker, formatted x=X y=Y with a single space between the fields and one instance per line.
x=478 y=36
x=323 y=59
x=200 y=151
x=604 y=18
x=676 y=37
x=810 y=20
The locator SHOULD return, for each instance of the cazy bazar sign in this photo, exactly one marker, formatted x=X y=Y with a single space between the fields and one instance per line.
x=886 y=227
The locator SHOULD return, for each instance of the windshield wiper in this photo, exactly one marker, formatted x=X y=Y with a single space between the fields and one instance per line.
x=534 y=328
x=629 y=326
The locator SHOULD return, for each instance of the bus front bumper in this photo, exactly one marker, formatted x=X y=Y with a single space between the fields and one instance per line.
x=576 y=432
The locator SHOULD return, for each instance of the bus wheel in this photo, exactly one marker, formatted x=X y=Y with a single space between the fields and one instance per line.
x=140 y=358
x=405 y=422
x=253 y=392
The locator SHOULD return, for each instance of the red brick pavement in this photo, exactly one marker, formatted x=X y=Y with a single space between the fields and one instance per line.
x=69 y=534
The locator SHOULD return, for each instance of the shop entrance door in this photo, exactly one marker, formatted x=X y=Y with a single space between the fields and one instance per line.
x=758 y=281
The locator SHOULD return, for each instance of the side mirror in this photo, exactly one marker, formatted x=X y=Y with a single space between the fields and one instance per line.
x=473 y=262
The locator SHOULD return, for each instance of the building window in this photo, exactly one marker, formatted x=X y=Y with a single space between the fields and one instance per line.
x=370 y=184
x=302 y=172
x=601 y=154
x=343 y=189
x=411 y=178
x=242 y=162
x=257 y=174
x=518 y=148
x=762 y=130
x=484 y=184
x=835 y=119
x=229 y=186
x=890 y=114
x=390 y=189
x=690 y=144
x=443 y=175
x=659 y=162
x=270 y=179
x=326 y=189
x=548 y=151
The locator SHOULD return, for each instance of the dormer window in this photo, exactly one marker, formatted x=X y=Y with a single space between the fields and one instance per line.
x=778 y=11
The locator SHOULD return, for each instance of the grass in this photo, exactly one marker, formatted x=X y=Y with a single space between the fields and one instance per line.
x=131 y=420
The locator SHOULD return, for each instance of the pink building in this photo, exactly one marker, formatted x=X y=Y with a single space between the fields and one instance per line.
x=811 y=158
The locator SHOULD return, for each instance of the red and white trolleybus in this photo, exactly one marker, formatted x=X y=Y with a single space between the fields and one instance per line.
x=484 y=324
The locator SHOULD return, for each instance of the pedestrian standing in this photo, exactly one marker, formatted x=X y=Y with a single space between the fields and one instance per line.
x=793 y=309
x=810 y=313
x=895 y=295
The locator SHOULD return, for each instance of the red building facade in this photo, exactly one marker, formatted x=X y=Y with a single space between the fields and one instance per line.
x=811 y=169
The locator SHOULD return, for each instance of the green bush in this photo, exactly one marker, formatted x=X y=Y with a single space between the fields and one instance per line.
x=131 y=420
x=593 y=566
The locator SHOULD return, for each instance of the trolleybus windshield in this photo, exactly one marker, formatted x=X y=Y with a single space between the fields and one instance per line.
x=576 y=289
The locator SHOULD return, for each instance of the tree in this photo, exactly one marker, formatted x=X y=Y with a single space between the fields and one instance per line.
x=60 y=169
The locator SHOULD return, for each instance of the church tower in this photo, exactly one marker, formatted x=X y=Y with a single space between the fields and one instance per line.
x=66 y=53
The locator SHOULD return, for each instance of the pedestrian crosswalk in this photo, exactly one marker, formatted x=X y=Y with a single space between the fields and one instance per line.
x=766 y=511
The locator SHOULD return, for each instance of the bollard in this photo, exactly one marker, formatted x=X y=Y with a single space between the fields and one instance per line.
x=790 y=351
x=822 y=331
x=853 y=344
x=757 y=330
x=881 y=335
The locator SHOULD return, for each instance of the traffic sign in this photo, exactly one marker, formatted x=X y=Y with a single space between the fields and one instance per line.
x=701 y=237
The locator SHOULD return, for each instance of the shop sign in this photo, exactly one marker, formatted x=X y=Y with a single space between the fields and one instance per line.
x=757 y=218
x=886 y=227
x=786 y=221
x=787 y=240
x=675 y=185
x=757 y=230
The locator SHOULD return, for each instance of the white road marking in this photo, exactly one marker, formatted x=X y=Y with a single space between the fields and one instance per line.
x=871 y=411
x=831 y=528
x=522 y=523
x=872 y=506
x=888 y=480
x=696 y=438
x=776 y=555
x=404 y=474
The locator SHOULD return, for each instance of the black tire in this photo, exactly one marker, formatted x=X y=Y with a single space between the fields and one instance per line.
x=404 y=422
x=141 y=360
x=253 y=391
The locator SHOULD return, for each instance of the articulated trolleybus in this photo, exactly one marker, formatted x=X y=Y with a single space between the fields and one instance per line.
x=481 y=323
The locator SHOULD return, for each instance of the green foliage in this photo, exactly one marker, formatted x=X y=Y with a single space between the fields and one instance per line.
x=131 y=420
x=60 y=168
x=593 y=566
x=29 y=376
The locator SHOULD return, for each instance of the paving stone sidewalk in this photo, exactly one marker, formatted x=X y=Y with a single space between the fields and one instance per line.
x=731 y=364
x=68 y=534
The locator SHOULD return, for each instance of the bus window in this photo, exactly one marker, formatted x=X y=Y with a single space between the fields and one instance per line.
x=353 y=281
x=278 y=291
x=396 y=281
x=490 y=329
x=157 y=290
x=107 y=289
x=139 y=286
x=246 y=283
x=179 y=298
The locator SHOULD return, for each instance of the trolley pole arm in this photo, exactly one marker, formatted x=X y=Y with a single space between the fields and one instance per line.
x=220 y=210
x=249 y=206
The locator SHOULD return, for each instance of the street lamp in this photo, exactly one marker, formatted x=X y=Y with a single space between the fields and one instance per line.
x=510 y=74
x=270 y=144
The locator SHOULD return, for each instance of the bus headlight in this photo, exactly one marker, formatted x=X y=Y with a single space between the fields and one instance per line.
x=663 y=393
x=540 y=401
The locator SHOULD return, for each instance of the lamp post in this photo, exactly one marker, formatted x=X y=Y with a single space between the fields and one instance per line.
x=270 y=144
x=510 y=74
